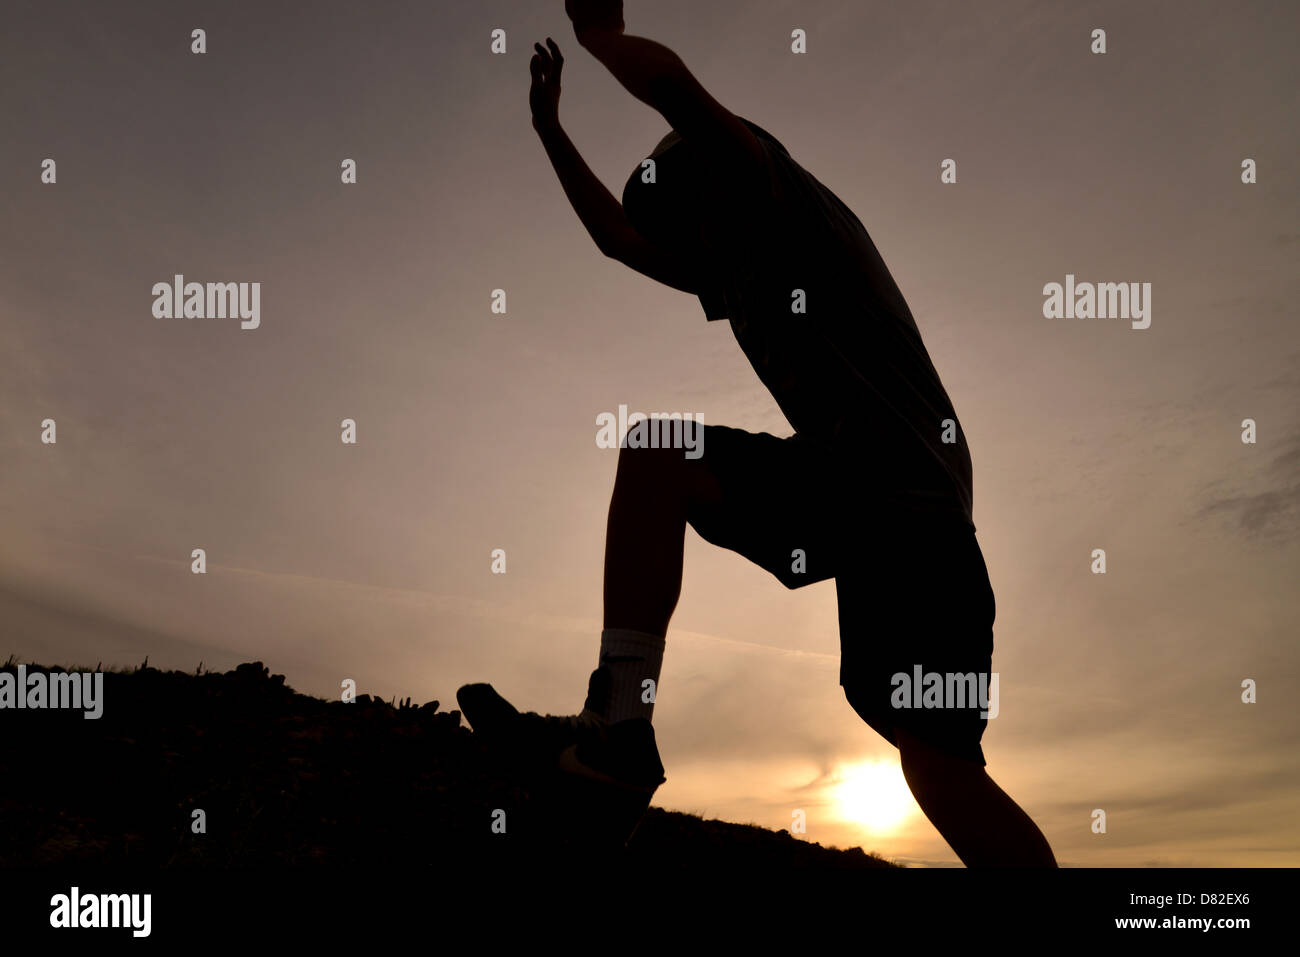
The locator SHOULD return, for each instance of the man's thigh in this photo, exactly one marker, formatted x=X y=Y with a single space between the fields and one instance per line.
x=778 y=505
x=916 y=637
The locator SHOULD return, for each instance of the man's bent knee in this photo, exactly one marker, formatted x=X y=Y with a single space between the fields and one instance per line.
x=662 y=432
x=654 y=449
x=922 y=759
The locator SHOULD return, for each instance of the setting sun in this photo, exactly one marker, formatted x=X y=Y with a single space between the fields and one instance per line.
x=873 y=795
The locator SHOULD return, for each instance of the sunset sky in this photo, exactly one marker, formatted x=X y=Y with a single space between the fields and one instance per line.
x=477 y=431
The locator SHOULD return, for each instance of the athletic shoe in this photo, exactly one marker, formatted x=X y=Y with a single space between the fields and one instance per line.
x=623 y=754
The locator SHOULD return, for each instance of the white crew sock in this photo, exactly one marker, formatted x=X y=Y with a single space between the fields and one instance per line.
x=632 y=658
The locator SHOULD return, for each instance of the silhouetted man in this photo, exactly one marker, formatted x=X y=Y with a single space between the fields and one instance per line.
x=873 y=489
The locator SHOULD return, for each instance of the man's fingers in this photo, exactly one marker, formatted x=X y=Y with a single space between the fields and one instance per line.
x=550 y=62
x=535 y=67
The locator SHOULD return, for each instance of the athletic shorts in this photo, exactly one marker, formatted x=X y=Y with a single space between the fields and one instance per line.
x=916 y=606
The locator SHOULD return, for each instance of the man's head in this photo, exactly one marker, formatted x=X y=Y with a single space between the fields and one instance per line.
x=678 y=208
x=669 y=211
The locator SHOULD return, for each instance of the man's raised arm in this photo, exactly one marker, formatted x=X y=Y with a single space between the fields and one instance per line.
x=656 y=76
x=601 y=214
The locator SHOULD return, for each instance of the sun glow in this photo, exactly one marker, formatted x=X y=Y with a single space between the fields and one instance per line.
x=873 y=795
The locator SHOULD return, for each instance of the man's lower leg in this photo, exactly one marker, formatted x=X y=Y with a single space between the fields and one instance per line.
x=644 y=541
x=980 y=821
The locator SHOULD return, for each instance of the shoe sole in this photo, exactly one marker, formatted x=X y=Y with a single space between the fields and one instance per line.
x=591 y=812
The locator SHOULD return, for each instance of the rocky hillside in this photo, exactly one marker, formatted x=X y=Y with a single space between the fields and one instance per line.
x=284 y=779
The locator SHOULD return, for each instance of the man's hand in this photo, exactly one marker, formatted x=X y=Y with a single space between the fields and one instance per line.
x=544 y=95
x=588 y=15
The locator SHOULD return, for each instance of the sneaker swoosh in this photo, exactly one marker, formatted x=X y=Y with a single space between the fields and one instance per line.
x=570 y=763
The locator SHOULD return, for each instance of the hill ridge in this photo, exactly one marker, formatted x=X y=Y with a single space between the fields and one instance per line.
x=287 y=779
